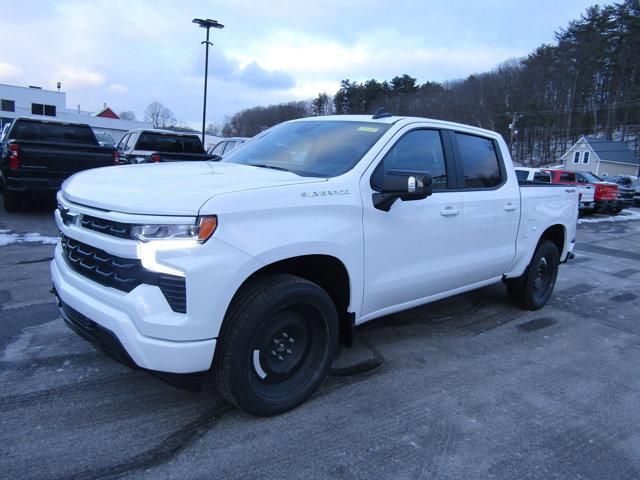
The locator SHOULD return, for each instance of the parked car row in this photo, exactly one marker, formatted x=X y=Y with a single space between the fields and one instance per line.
x=597 y=195
x=37 y=155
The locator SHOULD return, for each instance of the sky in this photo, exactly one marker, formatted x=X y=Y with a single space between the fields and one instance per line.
x=130 y=53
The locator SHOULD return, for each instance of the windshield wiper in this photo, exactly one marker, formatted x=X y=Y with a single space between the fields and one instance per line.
x=272 y=167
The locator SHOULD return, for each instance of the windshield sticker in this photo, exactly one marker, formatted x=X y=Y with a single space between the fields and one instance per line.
x=368 y=129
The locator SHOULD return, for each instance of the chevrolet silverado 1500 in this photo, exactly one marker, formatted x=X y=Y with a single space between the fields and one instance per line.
x=252 y=269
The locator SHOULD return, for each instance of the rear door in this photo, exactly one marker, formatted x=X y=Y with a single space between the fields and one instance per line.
x=491 y=207
x=411 y=251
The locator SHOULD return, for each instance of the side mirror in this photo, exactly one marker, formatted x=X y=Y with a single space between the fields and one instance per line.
x=400 y=184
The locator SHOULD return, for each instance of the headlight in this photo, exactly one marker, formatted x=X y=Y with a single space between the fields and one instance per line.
x=200 y=231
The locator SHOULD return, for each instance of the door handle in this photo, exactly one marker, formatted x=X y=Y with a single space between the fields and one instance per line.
x=449 y=212
x=509 y=207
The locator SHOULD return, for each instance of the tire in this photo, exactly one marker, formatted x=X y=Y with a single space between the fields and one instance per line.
x=12 y=201
x=532 y=290
x=615 y=210
x=276 y=344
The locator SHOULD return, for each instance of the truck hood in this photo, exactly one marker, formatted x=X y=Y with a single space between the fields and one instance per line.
x=179 y=188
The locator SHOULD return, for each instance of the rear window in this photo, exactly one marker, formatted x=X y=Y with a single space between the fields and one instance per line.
x=542 y=177
x=53 y=132
x=162 y=142
x=522 y=174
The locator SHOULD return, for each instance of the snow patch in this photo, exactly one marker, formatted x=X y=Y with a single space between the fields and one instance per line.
x=623 y=216
x=33 y=237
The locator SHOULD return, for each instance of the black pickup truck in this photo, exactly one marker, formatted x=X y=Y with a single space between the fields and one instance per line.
x=149 y=146
x=38 y=155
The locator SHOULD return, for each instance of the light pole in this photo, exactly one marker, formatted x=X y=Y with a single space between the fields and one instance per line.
x=208 y=23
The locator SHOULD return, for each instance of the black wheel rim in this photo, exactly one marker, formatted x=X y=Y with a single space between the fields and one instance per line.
x=543 y=278
x=282 y=345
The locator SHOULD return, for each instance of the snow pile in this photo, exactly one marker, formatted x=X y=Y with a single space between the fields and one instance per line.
x=621 y=217
x=7 y=238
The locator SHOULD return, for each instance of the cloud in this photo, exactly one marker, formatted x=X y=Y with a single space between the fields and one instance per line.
x=251 y=73
x=9 y=71
x=256 y=76
x=117 y=88
x=79 y=77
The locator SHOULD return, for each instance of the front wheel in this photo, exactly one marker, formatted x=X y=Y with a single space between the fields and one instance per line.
x=533 y=289
x=277 y=343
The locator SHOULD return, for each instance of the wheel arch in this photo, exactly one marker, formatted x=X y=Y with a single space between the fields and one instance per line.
x=327 y=271
x=558 y=235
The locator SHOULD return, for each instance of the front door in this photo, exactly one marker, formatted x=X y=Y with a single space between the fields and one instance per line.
x=411 y=251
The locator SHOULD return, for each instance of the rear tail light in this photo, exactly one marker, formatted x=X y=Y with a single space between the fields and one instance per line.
x=116 y=157
x=14 y=158
x=155 y=157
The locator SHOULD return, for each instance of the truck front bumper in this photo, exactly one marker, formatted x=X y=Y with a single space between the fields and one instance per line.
x=103 y=317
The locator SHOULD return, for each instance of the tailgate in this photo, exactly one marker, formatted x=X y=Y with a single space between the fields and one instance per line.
x=587 y=193
x=63 y=159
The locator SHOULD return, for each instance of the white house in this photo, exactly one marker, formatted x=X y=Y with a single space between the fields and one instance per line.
x=16 y=101
x=602 y=157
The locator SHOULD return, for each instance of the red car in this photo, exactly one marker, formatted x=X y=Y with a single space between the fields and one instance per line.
x=605 y=194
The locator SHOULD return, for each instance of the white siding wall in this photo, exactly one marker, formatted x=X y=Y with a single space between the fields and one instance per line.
x=613 y=169
x=581 y=148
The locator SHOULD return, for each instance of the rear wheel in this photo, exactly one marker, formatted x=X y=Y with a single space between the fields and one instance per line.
x=276 y=345
x=533 y=289
x=615 y=210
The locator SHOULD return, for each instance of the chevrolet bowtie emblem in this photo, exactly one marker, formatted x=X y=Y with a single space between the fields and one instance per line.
x=68 y=217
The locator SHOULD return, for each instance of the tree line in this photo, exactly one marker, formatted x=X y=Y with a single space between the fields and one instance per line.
x=586 y=82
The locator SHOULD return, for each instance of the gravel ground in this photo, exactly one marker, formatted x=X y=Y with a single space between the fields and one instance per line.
x=469 y=387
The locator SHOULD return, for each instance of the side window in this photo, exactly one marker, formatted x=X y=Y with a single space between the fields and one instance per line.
x=230 y=146
x=420 y=151
x=218 y=149
x=567 y=177
x=480 y=164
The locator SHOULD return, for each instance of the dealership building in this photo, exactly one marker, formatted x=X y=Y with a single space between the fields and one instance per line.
x=36 y=102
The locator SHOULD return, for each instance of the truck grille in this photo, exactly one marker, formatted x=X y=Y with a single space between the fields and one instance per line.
x=124 y=274
x=108 y=227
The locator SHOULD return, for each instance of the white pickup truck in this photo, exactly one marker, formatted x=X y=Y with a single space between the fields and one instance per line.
x=252 y=269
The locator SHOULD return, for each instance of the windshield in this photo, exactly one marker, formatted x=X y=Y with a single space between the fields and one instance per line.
x=591 y=177
x=313 y=148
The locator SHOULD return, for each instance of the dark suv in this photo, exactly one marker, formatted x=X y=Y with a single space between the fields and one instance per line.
x=626 y=190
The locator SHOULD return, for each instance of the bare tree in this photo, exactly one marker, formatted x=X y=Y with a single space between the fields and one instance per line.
x=127 y=115
x=159 y=115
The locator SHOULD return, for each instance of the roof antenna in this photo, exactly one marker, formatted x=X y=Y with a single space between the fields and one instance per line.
x=381 y=113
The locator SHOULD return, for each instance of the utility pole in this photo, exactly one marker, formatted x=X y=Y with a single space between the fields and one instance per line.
x=512 y=127
x=208 y=23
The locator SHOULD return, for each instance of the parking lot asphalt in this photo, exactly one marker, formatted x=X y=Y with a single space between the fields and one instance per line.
x=469 y=387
